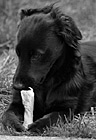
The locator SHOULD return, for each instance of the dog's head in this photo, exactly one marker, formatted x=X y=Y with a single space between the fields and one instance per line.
x=44 y=37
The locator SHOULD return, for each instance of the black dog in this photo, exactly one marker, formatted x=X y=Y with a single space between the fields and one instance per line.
x=51 y=61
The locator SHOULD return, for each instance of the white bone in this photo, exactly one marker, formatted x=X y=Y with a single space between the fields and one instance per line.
x=28 y=102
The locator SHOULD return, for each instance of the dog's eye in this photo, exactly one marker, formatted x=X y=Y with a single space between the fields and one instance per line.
x=36 y=56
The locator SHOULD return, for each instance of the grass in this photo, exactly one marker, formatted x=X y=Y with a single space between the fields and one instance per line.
x=81 y=126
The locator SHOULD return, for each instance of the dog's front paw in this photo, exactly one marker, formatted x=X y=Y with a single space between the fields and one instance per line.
x=10 y=120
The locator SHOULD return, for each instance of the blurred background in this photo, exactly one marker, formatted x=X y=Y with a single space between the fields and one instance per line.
x=82 y=11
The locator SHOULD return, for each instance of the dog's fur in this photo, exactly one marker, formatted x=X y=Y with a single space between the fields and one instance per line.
x=61 y=71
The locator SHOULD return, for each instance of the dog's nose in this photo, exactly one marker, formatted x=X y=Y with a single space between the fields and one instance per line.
x=18 y=86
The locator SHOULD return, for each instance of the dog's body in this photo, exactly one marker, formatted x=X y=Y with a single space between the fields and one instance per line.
x=61 y=71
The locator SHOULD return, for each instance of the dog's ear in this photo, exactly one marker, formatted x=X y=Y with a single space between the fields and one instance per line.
x=25 y=12
x=70 y=31
x=66 y=28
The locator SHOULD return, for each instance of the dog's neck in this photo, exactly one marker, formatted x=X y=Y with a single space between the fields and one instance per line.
x=69 y=73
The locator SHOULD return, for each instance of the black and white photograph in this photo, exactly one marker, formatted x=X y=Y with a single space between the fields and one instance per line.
x=47 y=69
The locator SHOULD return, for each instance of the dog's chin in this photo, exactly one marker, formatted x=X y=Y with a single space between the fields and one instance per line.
x=38 y=84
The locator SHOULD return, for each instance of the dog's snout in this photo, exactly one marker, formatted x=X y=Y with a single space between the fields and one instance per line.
x=21 y=82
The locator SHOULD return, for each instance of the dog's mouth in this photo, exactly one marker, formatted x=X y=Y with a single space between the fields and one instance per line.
x=25 y=85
